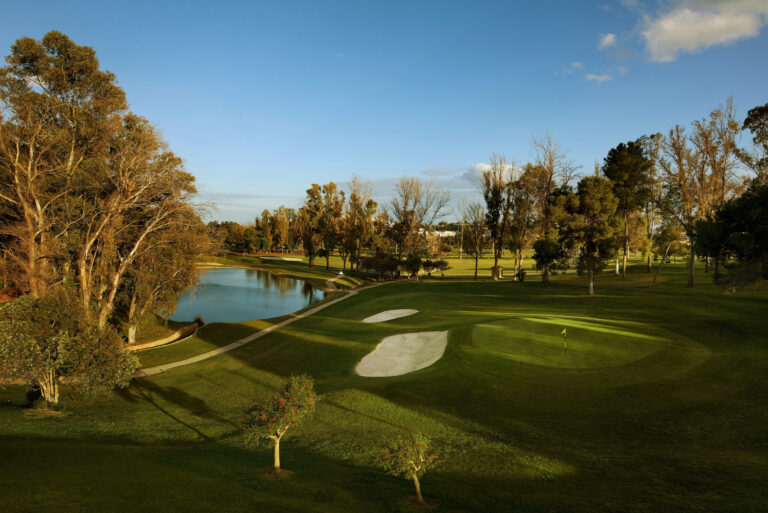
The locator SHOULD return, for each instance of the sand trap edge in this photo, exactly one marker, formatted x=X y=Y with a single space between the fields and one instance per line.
x=388 y=315
x=402 y=354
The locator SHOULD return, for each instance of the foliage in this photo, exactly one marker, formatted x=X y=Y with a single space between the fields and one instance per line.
x=409 y=457
x=757 y=123
x=587 y=224
x=548 y=253
x=269 y=421
x=739 y=230
x=46 y=339
x=629 y=170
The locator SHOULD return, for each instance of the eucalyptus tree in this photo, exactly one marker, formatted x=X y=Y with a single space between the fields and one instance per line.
x=496 y=188
x=58 y=113
x=358 y=220
x=162 y=272
x=329 y=222
x=698 y=173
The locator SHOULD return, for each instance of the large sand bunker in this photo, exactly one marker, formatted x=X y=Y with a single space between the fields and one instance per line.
x=401 y=354
x=390 y=314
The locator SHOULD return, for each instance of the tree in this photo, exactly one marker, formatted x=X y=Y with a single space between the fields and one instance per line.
x=739 y=230
x=329 y=222
x=307 y=221
x=162 y=273
x=269 y=421
x=652 y=147
x=281 y=225
x=43 y=340
x=629 y=170
x=416 y=206
x=83 y=185
x=552 y=169
x=496 y=190
x=358 y=220
x=413 y=265
x=524 y=213
x=474 y=231
x=698 y=172
x=664 y=240
x=587 y=224
x=547 y=253
x=757 y=160
x=58 y=112
x=410 y=458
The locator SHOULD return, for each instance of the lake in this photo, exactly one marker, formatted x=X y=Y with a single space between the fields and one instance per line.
x=237 y=295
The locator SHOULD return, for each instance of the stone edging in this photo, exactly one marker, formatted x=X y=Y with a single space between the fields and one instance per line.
x=176 y=336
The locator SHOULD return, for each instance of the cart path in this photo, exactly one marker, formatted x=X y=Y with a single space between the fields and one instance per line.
x=151 y=371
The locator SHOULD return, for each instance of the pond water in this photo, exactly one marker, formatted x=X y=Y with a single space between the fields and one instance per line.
x=237 y=295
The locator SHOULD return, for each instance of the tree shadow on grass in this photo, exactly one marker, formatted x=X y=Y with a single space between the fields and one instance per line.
x=153 y=394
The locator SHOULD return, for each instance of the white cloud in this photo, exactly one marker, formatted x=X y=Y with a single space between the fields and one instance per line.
x=599 y=78
x=339 y=55
x=606 y=41
x=623 y=70
x=576 y=65
x=698 y=24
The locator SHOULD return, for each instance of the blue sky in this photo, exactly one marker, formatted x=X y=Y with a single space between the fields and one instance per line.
x=262 y=99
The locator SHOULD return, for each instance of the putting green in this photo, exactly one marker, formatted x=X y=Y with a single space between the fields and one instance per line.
x=616 y=352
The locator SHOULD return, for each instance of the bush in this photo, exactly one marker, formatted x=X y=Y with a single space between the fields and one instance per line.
x=44 y=341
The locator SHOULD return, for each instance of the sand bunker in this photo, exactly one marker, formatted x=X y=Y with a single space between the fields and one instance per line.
x=281 y=259
x=401 y=354
x=390 y=314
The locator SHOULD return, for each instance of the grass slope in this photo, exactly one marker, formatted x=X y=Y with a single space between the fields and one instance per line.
x=660 y=404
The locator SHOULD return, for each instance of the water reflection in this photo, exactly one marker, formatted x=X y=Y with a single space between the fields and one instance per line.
x=236 y=295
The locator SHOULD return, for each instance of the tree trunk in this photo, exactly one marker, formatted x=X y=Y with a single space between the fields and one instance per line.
x=327 y=260
x=418 y=489
x=661 y=264
x=49 y=387
x=132 y=320
x=624 y=262
x=691 y=264
x=706 y=264
x=545 y=275
x=277 y=454
x=616 y=271
x=477 y=258
x=648 y=267
x=495 y=271
x=591 y=281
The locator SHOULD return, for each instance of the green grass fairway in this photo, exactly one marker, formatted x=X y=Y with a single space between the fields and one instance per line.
x=660 y=404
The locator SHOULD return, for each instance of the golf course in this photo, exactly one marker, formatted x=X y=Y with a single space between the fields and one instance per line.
x=658 y=404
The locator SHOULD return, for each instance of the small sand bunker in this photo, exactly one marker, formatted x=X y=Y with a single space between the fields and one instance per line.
x=390 y=314
x=281 y=259
x=401 y=354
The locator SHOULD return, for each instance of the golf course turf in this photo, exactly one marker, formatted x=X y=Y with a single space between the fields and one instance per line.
x=659 y=404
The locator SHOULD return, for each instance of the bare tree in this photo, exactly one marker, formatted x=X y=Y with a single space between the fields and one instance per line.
x=474 y=231
x=416 y=206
